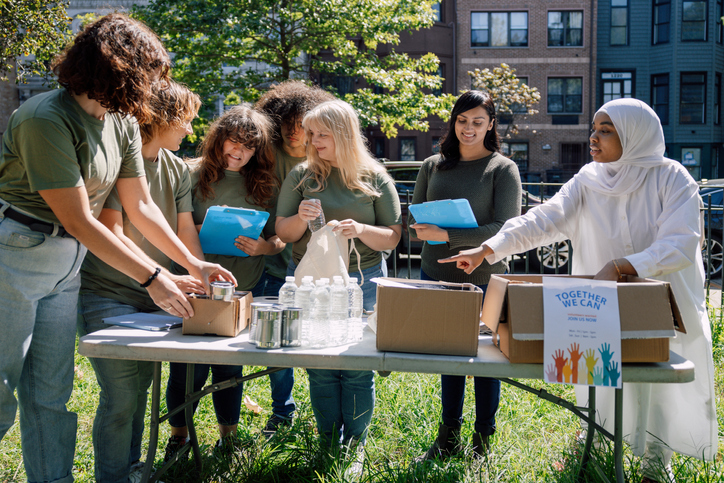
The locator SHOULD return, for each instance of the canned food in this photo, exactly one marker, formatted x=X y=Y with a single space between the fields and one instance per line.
x=292 y=327
x=268 y=331
x=222 y=291
x=255 y=306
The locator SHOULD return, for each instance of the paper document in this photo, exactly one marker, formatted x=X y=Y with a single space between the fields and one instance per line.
x=222 y=225
x=145 y=321
x=445 y=214
x=582 y=332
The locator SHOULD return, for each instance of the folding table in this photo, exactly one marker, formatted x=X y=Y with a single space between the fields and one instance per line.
x=134 y=344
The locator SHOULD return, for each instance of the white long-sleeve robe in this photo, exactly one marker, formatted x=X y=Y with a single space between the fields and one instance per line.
x=657 y=229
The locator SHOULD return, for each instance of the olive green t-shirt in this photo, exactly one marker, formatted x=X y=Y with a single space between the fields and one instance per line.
x=340 y=203
x=231 y=191
x=169 y=183
x=276 y=265
x=52 y=143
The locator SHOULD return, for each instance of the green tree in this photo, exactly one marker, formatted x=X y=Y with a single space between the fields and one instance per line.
x=513 y=99
x=242 y=46
x=38 y=28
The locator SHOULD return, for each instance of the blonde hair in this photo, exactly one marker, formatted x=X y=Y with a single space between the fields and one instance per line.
x=356 y=165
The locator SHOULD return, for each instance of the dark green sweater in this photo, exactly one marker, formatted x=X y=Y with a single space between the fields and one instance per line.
x=492 y=186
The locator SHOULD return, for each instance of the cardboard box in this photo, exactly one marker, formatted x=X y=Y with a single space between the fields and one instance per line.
x=414 y=318
x=216 y=317
x=513 y=310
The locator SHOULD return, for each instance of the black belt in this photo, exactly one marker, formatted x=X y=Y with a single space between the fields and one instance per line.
x=36 y=225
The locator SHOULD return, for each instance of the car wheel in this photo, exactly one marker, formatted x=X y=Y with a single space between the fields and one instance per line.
x=713 y=247
x=549 y=258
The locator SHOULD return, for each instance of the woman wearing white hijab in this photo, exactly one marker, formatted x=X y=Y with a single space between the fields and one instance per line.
x=633 y=211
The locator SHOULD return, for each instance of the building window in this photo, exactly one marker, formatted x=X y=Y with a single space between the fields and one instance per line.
x=437 y=11
x=619 y=22
x=662 y=21
x=441 y=73
x=518 y=152
x=719 y=26
x=499 y=29
x=407 y=149
x=660 y=96
x=565 y=29
x=717 y=98
x=691 y=158
x=435 y=144
x=617 y=85
x=343 y=84
x=692 y=108
x=379 y=147
x=693 y=21
x=573 y=155
x=565 y=95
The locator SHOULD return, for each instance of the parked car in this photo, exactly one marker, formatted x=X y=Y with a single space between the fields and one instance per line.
x=712 y=193
x=405 y=174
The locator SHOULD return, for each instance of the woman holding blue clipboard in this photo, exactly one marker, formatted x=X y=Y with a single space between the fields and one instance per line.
x=236 y=169
x=469 y=166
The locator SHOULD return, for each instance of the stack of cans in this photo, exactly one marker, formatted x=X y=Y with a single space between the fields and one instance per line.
x=273 y=326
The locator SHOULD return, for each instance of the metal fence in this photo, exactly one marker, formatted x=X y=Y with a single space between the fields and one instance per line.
x=556 y=259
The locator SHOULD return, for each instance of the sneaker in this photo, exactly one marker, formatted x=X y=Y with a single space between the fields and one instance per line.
x=275 y=423
x=227 y=445
x=175 y=443
x=355 y=452
x=136 y=475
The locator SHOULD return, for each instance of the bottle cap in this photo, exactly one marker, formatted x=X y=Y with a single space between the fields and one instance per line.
x=290 y=279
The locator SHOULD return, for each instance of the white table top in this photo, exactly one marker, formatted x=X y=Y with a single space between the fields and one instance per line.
x=126 y=343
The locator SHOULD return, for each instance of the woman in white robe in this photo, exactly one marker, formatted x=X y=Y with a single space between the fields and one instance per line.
x=632 y=211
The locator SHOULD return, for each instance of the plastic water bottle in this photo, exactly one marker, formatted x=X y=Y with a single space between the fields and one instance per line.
x=319 y=221
x=287 y=293
x=319 y=327
x=339 y=312
x=303 y=300
x=355 y=310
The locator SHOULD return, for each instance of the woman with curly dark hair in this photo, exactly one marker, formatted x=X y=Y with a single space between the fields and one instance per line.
x=236 y=168
x=62 y=154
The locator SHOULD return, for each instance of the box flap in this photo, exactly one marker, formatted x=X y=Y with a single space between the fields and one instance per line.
x=678 y=319
x=494 y=302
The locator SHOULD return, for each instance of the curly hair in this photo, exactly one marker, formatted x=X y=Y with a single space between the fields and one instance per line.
x=288 y=102
x=116 y=61
x=172 y=108
x=450 y=144
x=241 y=124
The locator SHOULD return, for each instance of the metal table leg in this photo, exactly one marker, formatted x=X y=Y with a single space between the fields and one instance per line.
x=187 y=407
x=618 y=436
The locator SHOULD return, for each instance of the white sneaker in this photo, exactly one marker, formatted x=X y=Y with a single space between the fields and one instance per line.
x=356 y=453
x=136 y=475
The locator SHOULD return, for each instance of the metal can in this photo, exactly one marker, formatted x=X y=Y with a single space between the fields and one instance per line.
x=292 y=327
x=255 y=306
x=268 y=331
x=222 y=291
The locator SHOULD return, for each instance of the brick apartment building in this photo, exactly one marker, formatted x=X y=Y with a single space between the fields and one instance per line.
x=552 y=46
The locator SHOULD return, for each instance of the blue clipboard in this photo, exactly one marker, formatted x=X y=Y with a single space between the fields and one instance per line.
x=445 y=214
x=223 y=224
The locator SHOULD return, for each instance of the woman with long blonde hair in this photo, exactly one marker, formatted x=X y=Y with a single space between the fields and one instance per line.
x=355 y=189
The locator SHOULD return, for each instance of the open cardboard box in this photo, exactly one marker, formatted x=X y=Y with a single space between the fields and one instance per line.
x=513 y=310
x=217 y=317
x=424 y=317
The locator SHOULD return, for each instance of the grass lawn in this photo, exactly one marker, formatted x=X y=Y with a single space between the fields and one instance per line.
x=533 y=443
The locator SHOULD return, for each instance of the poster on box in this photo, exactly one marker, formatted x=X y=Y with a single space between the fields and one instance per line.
x=582 y=332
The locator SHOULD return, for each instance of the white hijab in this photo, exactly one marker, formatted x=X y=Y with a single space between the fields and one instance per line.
x=642 y=140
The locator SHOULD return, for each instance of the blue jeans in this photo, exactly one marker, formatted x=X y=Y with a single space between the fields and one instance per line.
x=39 y=285
x=487 y=396
x=268 y=286
x=343 y=401
x=227 y=403
x=118 y=424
